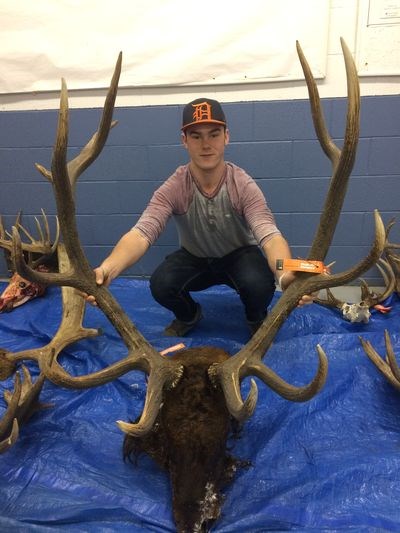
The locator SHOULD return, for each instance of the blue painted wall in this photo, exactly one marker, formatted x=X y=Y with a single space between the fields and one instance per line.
x=274 y=141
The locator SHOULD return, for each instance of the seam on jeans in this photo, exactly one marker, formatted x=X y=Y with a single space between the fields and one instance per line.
x=186 y=283
x=233 y=282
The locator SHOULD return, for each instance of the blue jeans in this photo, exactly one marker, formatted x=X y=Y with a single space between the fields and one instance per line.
x=246 y=270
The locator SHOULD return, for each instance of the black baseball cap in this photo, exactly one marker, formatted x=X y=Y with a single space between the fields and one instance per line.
x=203 y=111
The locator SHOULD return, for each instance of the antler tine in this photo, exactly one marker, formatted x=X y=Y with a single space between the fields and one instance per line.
x=391 y=358
x=392 y=256
x=395 y=263
x=45 y=231
x=389 y=368
x=331 y=300
x=2 y=230
x=22 y=404
x=327 y=144
x=248 y=360
x=41 y=246
x=342 y=160
x=95 y=145
x=151 y=407
x=9 y=441
x=9 y=424
x=5 y=242
x=389 y=227
x=371 y=298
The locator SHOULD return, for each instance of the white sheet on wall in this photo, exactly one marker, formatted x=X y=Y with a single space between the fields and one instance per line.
x=164 y=42
x=378 y=38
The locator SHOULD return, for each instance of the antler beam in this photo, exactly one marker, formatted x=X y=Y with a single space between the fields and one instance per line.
x=248 y=360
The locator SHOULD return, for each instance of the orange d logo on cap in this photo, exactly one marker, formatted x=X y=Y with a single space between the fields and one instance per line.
x=203 y=111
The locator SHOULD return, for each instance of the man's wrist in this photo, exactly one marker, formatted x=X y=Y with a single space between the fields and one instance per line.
x=280 y=279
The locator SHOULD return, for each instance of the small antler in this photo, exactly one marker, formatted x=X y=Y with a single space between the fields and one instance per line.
x=248 y=361
x=388 y=366
x=41 y=246
x=392 y=255
x=22 y=404
x=360 y=311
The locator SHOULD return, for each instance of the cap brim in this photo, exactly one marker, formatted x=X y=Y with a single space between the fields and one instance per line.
x=219 y=122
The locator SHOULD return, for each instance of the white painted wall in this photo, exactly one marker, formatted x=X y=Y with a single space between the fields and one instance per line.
x=343 y=22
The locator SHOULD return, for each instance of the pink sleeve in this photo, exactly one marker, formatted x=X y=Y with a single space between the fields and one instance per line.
x=248 y=199
x=172 y=197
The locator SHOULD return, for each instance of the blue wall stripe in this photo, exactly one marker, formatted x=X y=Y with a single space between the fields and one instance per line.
x=274 y=141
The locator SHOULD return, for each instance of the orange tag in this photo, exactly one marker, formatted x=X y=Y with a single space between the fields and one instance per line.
x=173 y=348
x=301 y=265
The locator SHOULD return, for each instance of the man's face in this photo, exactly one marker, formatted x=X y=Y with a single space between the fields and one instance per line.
x=205 y=144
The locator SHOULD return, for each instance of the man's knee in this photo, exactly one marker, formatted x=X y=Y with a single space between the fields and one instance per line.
x=258 y=283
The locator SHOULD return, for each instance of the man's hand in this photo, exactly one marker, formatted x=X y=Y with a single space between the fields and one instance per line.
x=286 y=279
x=102 y=278
x=307 y=299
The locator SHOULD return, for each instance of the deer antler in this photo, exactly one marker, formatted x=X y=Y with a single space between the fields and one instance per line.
x=393 y=256
x=359 y=311
x=22 y=404
x=389 y=367
x=394 y=261
x=248 y=361
x=42 y=246
x=141 y=355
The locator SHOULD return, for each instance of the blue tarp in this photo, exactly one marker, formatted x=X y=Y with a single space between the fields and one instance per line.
x=330 y=464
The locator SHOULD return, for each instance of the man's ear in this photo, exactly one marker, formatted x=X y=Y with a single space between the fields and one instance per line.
x=183 y=139
x=226 y=136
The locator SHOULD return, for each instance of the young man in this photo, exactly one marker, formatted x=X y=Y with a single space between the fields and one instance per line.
x=226 y=231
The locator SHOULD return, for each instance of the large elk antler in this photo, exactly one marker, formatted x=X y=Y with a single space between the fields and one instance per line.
x=248 y=361
x=141 y=355
x=71 y=328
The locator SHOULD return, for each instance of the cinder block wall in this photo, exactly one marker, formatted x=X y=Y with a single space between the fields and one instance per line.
x=274 y=141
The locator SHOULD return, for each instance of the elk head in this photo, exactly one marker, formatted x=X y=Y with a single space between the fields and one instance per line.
x=194 y=374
